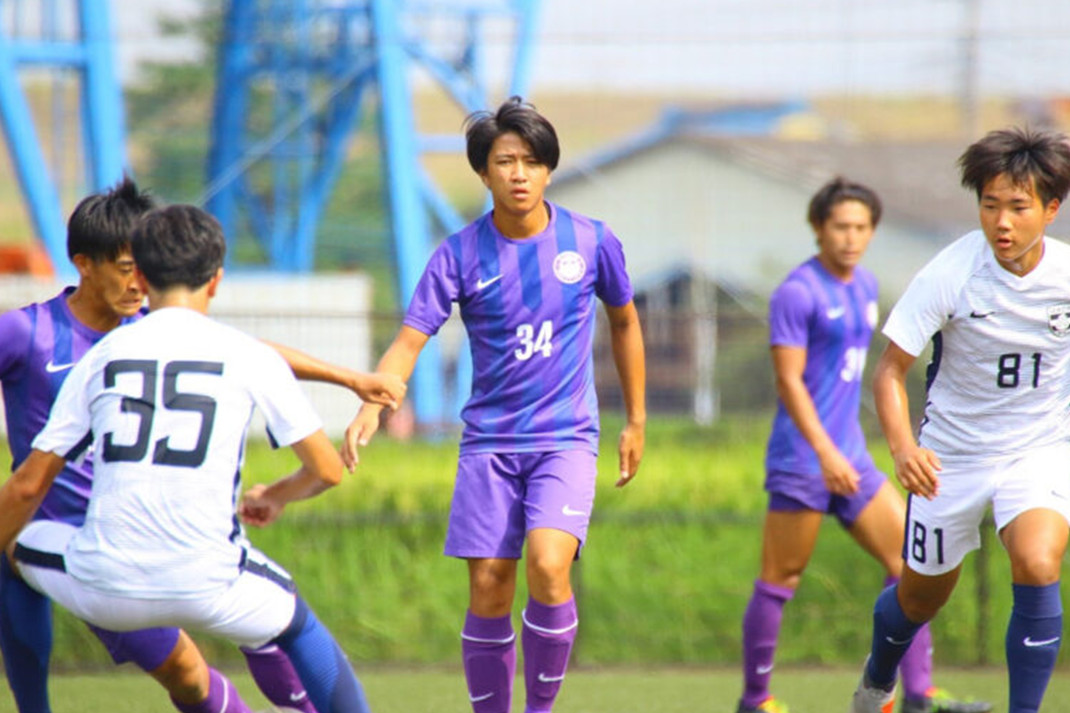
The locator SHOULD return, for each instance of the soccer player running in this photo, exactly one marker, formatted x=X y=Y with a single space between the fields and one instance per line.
x=525 y=275
x=165 y=404
x=41 y=344
x=821 y=320
x=996 y=305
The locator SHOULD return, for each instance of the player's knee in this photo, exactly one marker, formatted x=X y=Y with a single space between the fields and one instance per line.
x=548 y=582
x=1037 y=570
x=184 y=673
x=920 y=607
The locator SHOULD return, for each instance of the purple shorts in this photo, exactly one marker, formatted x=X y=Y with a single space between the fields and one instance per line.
x=791 y=492
x=148 y=648
x=499 y=497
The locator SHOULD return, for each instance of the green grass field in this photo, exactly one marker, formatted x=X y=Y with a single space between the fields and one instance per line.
x=639 y=690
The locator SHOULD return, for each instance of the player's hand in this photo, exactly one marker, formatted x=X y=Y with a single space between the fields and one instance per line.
x=839 y=475
x=359 y=433
x=381 y=388
x=916 y=469
x=632 y=440
x=258 y=510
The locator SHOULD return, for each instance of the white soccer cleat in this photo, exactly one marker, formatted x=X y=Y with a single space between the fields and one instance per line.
x=871 y=699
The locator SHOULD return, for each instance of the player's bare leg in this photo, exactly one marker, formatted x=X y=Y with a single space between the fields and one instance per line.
x=488 y=642
x=788 y=540
x=550 y=620
x=1035 y=542
x=193 y=686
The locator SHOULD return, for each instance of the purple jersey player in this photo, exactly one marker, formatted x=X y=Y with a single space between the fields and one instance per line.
x=821 y=320
x=40 y=344
x=525 y=276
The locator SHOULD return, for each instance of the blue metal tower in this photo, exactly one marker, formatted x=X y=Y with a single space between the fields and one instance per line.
x=295 y=77
x=44 y=35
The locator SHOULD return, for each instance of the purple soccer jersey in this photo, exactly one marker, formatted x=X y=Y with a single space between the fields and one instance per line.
x=833 y=321
x=39 y=345
x=529 y=309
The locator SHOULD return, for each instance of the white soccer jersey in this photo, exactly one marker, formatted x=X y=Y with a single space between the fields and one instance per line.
x=166 y=403
x=999 y=380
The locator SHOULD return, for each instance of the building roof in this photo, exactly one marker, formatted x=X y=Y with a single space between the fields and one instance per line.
x=924 y=205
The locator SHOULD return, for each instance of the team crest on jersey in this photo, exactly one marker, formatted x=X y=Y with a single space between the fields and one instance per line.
x=872 y=315
x=569 y=267
x=1059 y=320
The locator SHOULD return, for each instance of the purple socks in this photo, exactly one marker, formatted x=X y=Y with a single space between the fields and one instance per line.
x=549 y=632
x=489 y=650
x=222 y=697
x=761 y=626
x=488 y=647
x=277 y=679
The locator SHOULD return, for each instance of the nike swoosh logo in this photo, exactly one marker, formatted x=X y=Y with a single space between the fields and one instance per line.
x=53 y=368
x=298 y=697
x=1033 y=644
x=481 y=283
x=551 y=679
x=762 y=670
x=477 y=699
x=981 y=315
x=893 y=642
x=835 y=312
x=566 y=510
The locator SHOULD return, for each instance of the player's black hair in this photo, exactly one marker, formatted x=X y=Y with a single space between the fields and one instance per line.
x=100 y=225
x=482 y=129
x=836 y=191
x=178 y=246
x=1032 y=158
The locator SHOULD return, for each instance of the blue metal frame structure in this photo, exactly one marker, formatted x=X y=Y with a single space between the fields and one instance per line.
x=82 y=48
x=272 y=167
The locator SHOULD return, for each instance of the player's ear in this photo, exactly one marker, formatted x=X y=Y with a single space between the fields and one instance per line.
x=142 y=283
x=1051 y=210
x=213 y=284
x=81 y=264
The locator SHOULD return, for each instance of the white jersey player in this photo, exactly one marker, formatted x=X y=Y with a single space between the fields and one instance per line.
x=996 y=305
x=165 y=406
x=1001 y=345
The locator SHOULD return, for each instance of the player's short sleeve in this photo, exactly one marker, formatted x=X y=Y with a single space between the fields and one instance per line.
x=926 y=305
x=288 y=413
x=15 y=332
x=69 y=428
x=790 y=311
x=612 y=284
x=438 y=289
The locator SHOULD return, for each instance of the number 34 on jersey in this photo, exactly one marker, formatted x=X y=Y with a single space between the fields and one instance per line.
x=534 y=340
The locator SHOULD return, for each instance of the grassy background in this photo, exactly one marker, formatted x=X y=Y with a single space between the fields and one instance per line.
x=665 y=578
x=640 y=690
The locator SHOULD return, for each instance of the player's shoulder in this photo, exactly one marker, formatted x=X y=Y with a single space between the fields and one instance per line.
x=1058 y=251
x=958 y=262
x=797 y=289
x=579 y=224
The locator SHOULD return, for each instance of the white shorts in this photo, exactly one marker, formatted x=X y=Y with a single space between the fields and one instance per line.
x=940 y=532
x=255 y=608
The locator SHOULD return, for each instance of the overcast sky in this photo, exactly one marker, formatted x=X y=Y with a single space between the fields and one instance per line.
x=758 y=47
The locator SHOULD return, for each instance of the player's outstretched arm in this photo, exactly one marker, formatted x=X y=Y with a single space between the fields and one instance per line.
x=321 y=468
x=400 y=360
x=383 y=389
x=626 y=337
x=789 y=363
x=916 y=468
x=23 y=492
